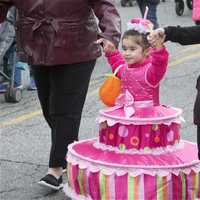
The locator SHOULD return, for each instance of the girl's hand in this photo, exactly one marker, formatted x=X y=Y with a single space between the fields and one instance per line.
x=108 y=46
x=156 y=38
x=159 y=43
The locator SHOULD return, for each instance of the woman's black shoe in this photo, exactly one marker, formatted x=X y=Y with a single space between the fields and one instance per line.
x=51 y=182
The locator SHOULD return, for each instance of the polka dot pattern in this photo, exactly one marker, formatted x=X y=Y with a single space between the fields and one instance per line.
x=123 y=131
x=139 y=136
x=134 y=141
x=111 y=136
x=170 y=136
x=122 y=147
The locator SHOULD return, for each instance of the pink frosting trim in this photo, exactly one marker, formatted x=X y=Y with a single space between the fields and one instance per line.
x=155 y=151
x=133 y=170
x=155 y=120
x=127 y=121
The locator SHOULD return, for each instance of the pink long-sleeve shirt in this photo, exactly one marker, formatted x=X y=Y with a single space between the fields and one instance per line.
x=141 y=79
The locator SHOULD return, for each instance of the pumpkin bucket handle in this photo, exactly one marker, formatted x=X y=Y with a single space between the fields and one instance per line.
x=110 y=89
x=117 y=69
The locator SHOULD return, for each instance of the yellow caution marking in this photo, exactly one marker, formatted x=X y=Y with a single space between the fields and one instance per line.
x=20 y=118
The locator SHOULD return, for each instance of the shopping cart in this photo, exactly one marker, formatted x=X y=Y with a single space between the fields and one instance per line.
x=180 y=6
x=10 y=80
x=13 y=87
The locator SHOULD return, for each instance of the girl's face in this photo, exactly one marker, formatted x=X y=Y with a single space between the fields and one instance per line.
x=132 y=51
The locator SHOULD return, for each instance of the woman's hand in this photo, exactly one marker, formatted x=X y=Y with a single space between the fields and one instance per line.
x=108 y=46
x=156 y=38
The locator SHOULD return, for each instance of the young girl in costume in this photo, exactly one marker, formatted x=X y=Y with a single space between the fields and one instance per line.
x=139 y=154
x=140 y=68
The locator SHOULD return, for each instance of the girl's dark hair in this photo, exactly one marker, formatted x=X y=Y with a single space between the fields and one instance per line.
x=140 y=38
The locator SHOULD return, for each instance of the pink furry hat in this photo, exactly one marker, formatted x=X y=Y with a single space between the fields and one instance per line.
x=142 y=25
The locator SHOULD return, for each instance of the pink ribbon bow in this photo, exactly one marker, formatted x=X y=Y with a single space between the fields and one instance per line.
x=126 y=101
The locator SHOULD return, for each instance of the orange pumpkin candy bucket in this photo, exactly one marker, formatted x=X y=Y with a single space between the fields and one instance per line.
x=110 y=89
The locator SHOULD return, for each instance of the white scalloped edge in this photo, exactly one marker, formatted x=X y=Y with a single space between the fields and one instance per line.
x=154 y=151
x=119 y=171
x=133 y=170
x=112 y=121
x=70 y=193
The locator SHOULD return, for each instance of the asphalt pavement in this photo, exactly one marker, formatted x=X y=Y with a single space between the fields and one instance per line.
x=25 y=136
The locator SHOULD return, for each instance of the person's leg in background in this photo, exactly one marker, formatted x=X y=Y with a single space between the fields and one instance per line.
x=62 y=107
x=142 y=6
x=198 y=140
x=197 y=114
x=152 y=14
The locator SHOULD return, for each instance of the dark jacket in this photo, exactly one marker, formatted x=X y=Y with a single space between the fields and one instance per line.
x=53 y=32
x=183 y=35
x=187 y=36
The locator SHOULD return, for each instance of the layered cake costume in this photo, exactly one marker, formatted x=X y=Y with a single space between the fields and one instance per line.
x=139 y=154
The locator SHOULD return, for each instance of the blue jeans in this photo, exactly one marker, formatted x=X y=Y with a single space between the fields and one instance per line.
x=152 y=14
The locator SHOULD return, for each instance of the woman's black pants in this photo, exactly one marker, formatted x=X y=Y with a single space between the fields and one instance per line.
x=197 y=119
x=198 y=140
x=197 y=114
x=62 y=90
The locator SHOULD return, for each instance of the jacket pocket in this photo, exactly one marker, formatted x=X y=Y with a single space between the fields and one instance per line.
x=87 y=35
x=67 y=36
x=73 y=36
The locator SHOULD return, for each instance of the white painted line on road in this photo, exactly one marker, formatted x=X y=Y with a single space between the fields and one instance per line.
x=20 y=118
x=36 y=113
x=184 y=59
